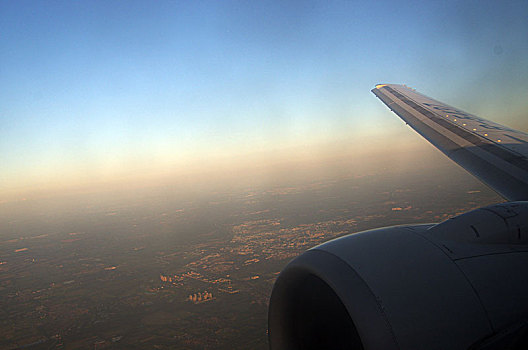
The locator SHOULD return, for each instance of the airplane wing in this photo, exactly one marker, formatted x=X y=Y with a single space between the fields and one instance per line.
x=495 y=154
x=460 y=284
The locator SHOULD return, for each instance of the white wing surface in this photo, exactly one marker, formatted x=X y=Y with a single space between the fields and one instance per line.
x=495 y=154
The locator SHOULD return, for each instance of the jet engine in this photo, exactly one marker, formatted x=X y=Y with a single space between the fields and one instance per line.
x=460 y=284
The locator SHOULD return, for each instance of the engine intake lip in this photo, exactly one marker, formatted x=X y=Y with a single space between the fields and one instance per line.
x=308 y=309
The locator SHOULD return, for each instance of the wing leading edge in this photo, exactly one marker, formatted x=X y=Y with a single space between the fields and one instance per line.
x=493 y=153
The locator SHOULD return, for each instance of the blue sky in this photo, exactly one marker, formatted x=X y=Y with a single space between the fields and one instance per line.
x=97 y=88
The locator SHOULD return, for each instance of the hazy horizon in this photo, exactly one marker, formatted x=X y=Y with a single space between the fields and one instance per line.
x=104 y=93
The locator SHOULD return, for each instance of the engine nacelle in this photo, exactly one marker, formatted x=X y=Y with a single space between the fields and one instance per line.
x=453 y=285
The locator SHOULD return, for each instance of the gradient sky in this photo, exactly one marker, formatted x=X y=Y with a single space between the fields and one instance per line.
x=97 y=89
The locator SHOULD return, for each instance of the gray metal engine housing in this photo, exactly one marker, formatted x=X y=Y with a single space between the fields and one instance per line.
x=453 y=285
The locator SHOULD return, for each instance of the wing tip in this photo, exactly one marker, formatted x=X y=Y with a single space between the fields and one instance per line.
x=379 y=86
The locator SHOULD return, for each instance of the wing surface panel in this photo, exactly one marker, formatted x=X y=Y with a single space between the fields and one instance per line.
x=495 y=154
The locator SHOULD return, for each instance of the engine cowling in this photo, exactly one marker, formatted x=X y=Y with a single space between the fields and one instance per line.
x=452 y=285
